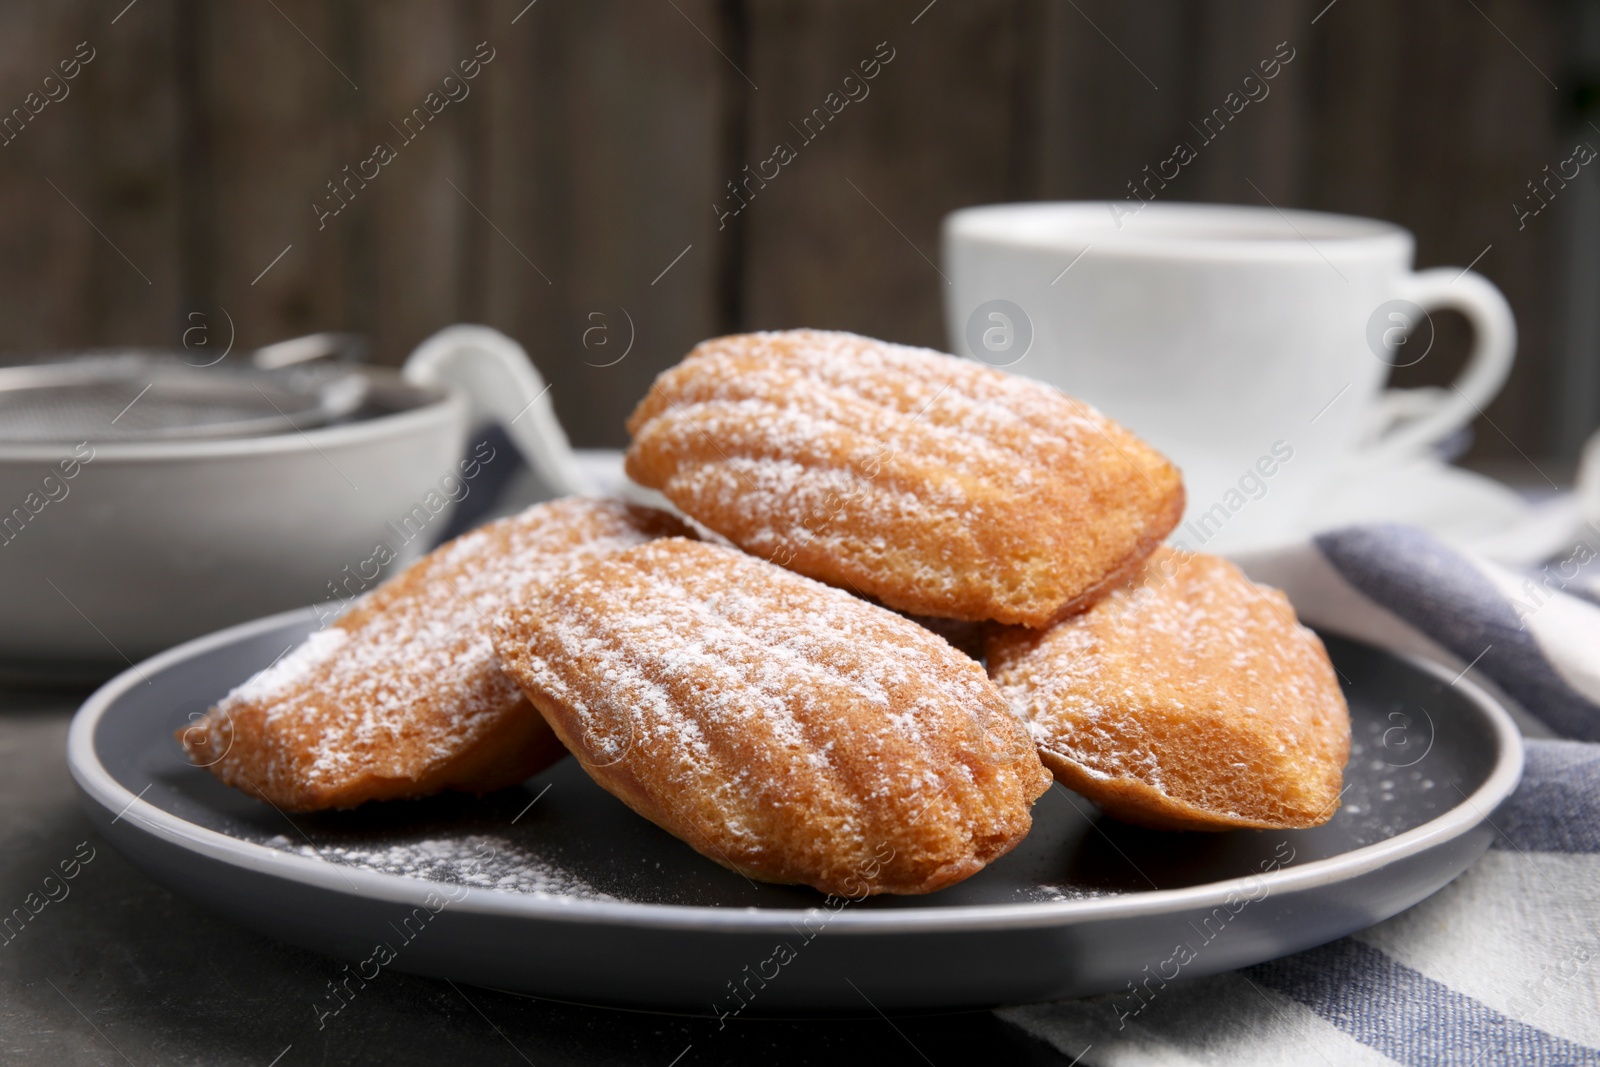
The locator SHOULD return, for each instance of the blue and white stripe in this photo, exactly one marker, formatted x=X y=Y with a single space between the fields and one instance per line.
x=1500 y=967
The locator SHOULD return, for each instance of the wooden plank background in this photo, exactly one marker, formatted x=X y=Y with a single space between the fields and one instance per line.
x=592 y=149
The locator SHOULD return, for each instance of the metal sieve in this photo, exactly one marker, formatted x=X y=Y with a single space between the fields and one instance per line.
x=154 y=395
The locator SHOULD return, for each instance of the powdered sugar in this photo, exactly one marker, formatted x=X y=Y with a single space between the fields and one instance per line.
x=406 y=680
x=1192 y=680
x=293 y=668
x=478 y=861
x=765 y=713
x=936 y=485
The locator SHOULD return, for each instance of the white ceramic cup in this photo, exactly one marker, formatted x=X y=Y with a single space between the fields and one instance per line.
x=1251 y=345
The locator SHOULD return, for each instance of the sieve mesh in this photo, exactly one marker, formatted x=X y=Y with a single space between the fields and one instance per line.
x=142 y=400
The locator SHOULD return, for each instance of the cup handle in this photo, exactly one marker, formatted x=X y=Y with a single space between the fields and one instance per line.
x=1494 y=345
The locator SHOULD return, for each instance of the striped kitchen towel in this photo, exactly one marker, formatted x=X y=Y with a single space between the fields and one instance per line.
x=1500 y=966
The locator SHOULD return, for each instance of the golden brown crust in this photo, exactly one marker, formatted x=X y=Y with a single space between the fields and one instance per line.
x=402 y=696
x=782 y=728
x=1187 y=699
x=935 y=485
x=1132 y=567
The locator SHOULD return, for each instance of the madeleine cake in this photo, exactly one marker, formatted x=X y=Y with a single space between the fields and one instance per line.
x=402 y=696
x=1189 y=699
x=781 y=727
x=934 y=485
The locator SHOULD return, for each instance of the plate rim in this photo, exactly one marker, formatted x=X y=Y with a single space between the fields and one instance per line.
x=103 y=791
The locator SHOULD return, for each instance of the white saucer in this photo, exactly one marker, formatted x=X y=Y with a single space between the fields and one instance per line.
x=1461 y=507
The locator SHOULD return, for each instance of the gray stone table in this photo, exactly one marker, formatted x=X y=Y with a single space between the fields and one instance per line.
x=121 y=971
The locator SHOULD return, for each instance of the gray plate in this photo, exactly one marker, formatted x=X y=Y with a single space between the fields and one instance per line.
x=554 y=888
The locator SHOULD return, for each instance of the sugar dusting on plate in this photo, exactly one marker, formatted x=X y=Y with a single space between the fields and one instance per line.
x=478 y=861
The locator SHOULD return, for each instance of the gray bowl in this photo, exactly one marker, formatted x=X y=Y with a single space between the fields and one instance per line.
x=555 y=889
x=150 y=542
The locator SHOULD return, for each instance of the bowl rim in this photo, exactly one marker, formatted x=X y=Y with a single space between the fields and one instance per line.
x=436 y=404
x=104 y=792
